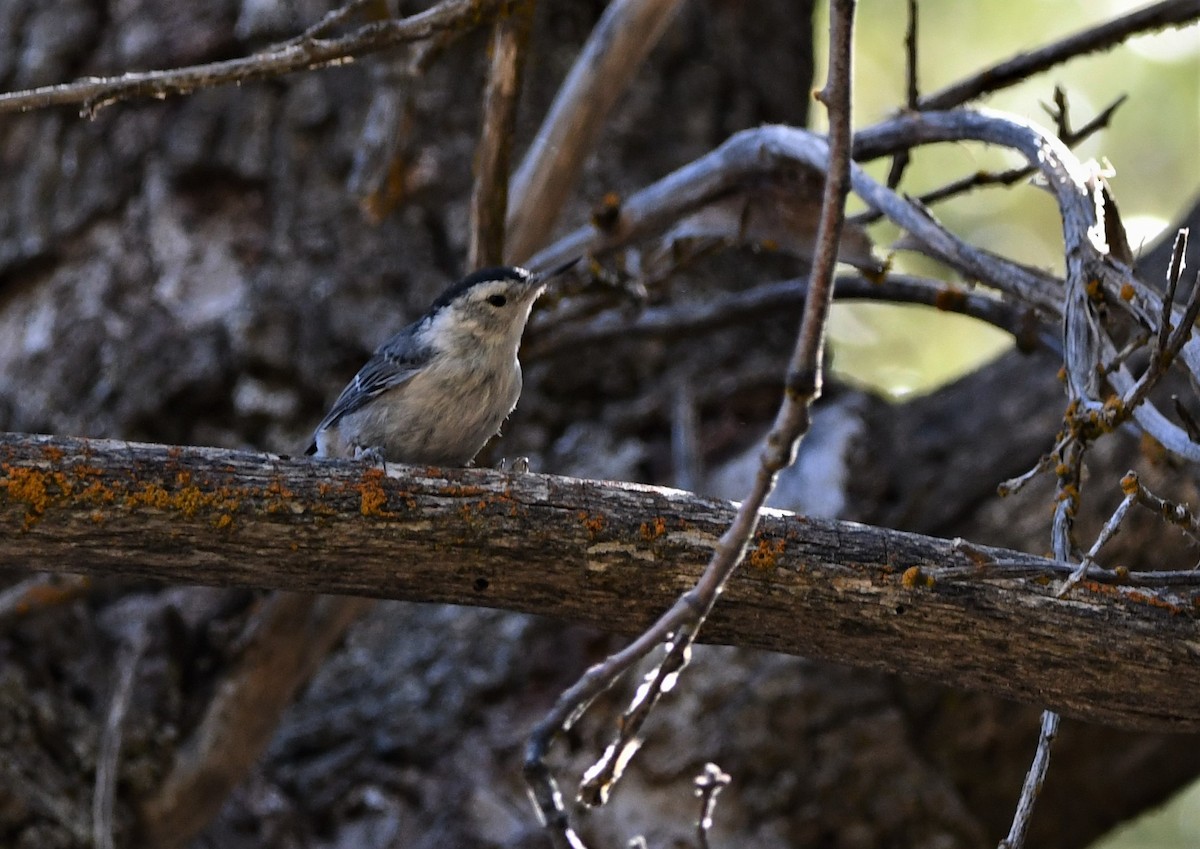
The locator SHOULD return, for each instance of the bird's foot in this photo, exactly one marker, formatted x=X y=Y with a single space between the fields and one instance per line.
x=516 y=466
x=372 y=455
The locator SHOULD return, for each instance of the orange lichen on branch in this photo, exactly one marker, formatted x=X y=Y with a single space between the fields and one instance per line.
x=653 y=530
x=1149 y=599
x=914 y=577
x=593 y=524
x=34 y=488
x=766 y=554
x=372 y=496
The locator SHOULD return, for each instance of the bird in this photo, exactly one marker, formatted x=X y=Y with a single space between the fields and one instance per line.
x=435 y=392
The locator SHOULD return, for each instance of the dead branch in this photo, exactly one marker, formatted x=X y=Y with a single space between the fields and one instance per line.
x=489 y=196
x=306 y=53
x=678 y=628
x=603 y=71
x=613 y=555
x=1102 y=37
x=675 y=320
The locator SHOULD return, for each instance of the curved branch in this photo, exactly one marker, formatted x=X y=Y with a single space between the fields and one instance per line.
x=612 y=555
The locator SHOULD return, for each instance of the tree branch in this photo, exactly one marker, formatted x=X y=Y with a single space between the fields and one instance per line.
x=489 y=195
x=612 y=555
x=305 y=53
x=606 y=66
x=1101 y=37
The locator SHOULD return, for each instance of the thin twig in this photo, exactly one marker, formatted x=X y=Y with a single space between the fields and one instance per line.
x=489 y=195
x=1101 y=37
x=803 y=386
x=108 y=758
x=912 y=91
x=1106 y=533
x=709 y=785
x=672 y=320
x=94 y=93
x=1035 y=778
x=331 y=21
x=606 y=66
x=1179 y=515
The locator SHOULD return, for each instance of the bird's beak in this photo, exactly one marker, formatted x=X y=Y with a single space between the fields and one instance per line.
x=543 y=276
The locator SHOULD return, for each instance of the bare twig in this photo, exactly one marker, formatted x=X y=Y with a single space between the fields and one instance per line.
x=1090 y=267
x=489 y=196
x=1107 y=532
x=1034 y=779
x=557 y=336
x=1179 y=515
x=680 y=624
x=1170 y=338
x=709 y=784
x=911 y=89
x=333 y=19
x=612 y=56
x=1102 y=37
x=1064 y=509
x=108 y=758
x=94 y=93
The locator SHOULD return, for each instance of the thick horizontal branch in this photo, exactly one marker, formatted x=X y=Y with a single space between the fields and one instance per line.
x=613 y=555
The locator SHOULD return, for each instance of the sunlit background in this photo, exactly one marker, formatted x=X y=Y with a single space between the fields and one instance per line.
x=1153 y=144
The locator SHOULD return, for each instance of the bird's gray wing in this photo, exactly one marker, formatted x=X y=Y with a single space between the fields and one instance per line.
x=392 y=364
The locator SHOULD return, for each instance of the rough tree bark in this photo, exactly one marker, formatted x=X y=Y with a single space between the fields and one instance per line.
x=196 y=272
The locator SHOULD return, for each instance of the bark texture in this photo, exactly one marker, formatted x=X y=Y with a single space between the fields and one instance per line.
x=209 y=270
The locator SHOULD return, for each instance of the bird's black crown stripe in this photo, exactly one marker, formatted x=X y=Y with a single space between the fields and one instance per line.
x=502 y=273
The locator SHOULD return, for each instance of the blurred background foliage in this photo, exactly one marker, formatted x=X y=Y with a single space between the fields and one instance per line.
x=1152 y=143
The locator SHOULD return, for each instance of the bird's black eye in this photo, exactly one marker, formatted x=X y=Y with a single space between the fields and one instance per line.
x=497 y=300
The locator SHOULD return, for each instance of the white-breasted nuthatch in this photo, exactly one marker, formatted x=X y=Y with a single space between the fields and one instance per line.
x=438 y=390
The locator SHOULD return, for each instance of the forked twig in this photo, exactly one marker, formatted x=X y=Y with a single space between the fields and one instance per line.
x=803 y=386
